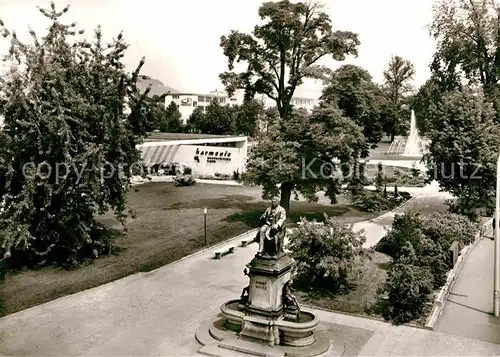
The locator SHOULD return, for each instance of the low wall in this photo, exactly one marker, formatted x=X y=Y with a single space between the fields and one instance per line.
x=442 y=296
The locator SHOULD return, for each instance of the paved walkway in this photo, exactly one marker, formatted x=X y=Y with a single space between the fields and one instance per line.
x=157 y=313
x=470 y=304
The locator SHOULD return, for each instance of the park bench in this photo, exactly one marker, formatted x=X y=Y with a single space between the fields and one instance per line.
x=224 y=250
x=247 y=241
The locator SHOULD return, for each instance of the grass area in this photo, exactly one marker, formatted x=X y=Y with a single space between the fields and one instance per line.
x=362 y=296
x=168 y=225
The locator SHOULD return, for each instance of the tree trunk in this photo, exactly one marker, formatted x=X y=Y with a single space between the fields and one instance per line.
x=286 y=193
x=392 y=135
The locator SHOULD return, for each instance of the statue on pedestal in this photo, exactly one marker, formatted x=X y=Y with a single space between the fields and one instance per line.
x=290 y=303
x=272 y=229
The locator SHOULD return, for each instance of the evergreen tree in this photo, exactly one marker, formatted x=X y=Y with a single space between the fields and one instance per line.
x=173 y=123
x=67 y=131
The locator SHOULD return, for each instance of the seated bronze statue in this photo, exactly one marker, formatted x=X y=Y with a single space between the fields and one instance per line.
x=272 y=229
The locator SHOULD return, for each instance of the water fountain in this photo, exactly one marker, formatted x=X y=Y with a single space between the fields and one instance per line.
x=266 y=320
x=413 y=145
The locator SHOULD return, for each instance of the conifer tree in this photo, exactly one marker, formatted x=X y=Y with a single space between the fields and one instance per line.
x=72 y=119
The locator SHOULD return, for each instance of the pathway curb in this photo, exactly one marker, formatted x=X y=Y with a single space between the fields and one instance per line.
x=367 y=317
x=204 y=250
x=442 y=296
x=393 y=210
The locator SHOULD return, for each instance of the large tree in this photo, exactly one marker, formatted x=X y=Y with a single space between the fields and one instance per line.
x=215 y=119
x=67 y=131
x=173 y=122
x=247 y=116
x=397 y=87
x=467 y=33
x=279 y=54
x=351 y=89
x=425 y=102
x=303 y=154
x=465 y=143
x=284 y=51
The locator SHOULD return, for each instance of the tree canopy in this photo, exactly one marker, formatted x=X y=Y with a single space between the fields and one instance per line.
x=67 y=132
x=467 y=33
x=465 y=142
x=279 y=54
x=397 y=88
x=351 y=89
x=284 y=51
x=167 y=120
x=299 y=154
x=226 y=120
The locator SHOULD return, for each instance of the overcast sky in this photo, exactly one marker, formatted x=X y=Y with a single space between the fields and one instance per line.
x=180 y=38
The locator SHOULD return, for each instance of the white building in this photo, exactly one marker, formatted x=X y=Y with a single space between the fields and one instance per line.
x=304 y=103
x=297 y=102
x=188 y=102
x=207 y=155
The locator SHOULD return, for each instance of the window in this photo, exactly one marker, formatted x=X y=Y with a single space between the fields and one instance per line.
x=222 y=100
x=175 y=96
x=201 y=99
x=195 y=104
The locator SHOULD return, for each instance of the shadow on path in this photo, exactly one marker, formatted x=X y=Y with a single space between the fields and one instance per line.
x=468 y=307
x=468 y=312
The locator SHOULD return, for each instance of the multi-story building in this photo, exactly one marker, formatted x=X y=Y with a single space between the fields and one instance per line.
x=298 y=102
x=304 y=103
x=188 y=102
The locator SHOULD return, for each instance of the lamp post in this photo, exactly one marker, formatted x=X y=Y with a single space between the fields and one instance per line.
x=496 y=271
x=205 y=223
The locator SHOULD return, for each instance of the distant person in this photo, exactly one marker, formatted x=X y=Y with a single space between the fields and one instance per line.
x=493 y=228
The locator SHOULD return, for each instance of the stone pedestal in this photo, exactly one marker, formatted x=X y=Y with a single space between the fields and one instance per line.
x=268 y=276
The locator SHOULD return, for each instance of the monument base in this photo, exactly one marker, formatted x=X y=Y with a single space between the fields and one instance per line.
x=261 y=330
x=216 y=340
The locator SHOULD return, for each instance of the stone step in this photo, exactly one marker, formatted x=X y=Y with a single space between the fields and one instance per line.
x=252 y=348
x=213 y=349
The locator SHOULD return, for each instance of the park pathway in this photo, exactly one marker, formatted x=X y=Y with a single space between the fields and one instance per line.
x=468 y=310
x=157 y=313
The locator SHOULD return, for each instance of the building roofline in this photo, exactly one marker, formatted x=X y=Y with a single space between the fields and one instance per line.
x=194 y=141
x=201 y=95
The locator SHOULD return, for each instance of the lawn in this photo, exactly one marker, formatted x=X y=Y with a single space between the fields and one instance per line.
x=168 y=225
x=363 y=293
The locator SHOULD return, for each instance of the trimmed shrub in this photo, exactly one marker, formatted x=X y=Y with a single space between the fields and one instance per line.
x=408 y=287
x=373 y=201
x=445 y=227
x=419 y=248
x=405 y=228
x=184 y=180
x=380 y=178
x=328 y=256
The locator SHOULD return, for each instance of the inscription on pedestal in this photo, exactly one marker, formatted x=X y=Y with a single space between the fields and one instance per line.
x=260 y=285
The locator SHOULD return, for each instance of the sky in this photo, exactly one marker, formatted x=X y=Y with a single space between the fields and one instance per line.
x=180 y=38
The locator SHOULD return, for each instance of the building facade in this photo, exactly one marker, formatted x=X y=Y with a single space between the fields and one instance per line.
x=297 y=102
x=208 y=156
x=188 y=102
